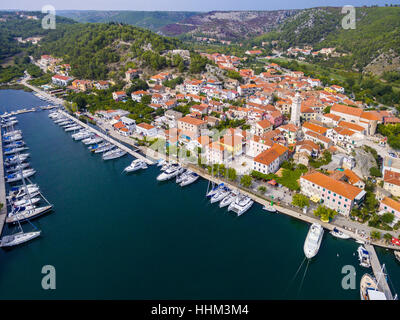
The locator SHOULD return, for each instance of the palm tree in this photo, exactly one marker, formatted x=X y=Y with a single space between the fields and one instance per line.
x=387 y=237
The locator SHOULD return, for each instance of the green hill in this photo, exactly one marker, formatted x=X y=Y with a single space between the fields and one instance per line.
x=153 y=20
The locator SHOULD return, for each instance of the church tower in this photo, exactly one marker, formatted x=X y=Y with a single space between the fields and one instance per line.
x=295 y=112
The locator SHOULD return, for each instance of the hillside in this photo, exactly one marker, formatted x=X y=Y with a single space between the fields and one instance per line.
x=152 y=20
x=229 y=25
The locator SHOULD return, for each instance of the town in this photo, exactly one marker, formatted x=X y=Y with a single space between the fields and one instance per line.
x=279 y=132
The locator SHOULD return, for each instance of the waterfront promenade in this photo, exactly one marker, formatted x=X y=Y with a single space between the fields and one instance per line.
x=3 y=211
x=109 y=139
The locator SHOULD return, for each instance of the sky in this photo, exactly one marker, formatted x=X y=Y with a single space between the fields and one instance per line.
x=183 y=5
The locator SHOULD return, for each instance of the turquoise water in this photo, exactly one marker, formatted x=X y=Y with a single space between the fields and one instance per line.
x=113 y=236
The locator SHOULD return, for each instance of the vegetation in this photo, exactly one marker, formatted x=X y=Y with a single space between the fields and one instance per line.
x=324 y=160
x=300 y=200
x=391 y=131
x=246 y=181
x=375 y=235
x=325 y=213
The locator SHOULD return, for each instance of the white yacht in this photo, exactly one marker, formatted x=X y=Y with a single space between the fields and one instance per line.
x=136 y=165
x=17 y=167
x=81 y=135
x=313 y=240
x=220 y=195
x=228 y=199
x=24 y=201
x=363 y=257
x=160 y=162
x=74 y=128
x=104 y=148
x=18 y=238
x=12 y=138
x=8 y=151
x=181 y=176
x=20 y=191
x=339 y=234
x=241 y=204
x=369 y=289
x=18 y=176
x=214 y=190
x=11 y=133
x=189 y=179
x=171 y=172
x=114 y=154
x=24 y=214
x=269 y=208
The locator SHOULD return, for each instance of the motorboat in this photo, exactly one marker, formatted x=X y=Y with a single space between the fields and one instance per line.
x=18 y=238
x=136 y=165
x=171 y=172
x=18 y=176
x=17 y=167
x=23 y=214
x=165 y=166
x=313 y=240
x=92 y=140
x=14 y=144
x=12 y=138
x=11 y=133
x=8 y=151
x=189 y=179
x=81 y=135
x=364 y=257
x=220 y=195
x=22 y=191
x=160 y=162
x=369 y=289
x=214 y=190
x=228 y=199
x=7 y=124
x=269 y=208
x=74 y=128
x=241 y=204
x=339 y=234
x=108 y=146
x=114 y=154
x=16 y=159
x=24 y=201
x=181 y=177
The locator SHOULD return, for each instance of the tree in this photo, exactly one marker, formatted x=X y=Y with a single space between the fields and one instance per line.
x=387 y=217
x=262 y=189
x=300 y=200
x=325 y=213
x=387 y=237
x=232 y=174
x=375 y=172
x=375 y=235
x=246 y=181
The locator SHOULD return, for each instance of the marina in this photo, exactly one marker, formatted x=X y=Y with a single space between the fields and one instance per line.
x=85 y=191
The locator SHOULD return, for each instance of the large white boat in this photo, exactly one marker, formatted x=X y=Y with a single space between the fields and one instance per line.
x=136 y=165
x=8 y=151
x=15 y=144
x=92 y=140
x=24 y=201
x=11 y=133
x=18 y=176
x=14 y=137
x=369 y=289
x=17 y=167
x=83 y=134
x=214 y=190
x=20 y=191
x=104 y=148
x=339 y=234
x=114 y=154
x=364 y=257
x=228 y=199
x=171 y=172
x=269 y=208
x=180 y=177
x=23 y=215
x=18 y=238
x=16 y=159
x=241 y=204
x=74 y=128
x=220 y=195
x=313 y=240
x=189 y=179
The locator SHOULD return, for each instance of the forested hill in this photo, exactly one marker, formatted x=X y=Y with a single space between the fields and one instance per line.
x=95 y=49
x=13 y=25
x=152 y=20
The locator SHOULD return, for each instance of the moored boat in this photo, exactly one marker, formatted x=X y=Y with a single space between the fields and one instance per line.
x=369 y=289
x=171 y=172
x=241 y=204
x=339 y=234
x=228 y=199
x=189 y=179
x=114 y=154
x=136 y=165
x=18 y=238
x=313 y=240
x=364 y=257
x=23 y=215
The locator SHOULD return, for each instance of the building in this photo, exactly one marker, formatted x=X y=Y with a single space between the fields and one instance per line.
x=391 y=182
x=296 y=110
x=269 y=161
x=192 y=124
x=146 y=129
x=172 y=117
x=391 y=206
x=131 y=74
x=262 y=127
x=60 y=80
x=119 y=95
x=337 y=195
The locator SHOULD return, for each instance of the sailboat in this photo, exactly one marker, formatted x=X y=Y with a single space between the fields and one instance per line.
x=18 y=238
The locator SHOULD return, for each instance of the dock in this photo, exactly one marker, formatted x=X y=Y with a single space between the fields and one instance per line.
x=3 y=211
x=379 y=275
x=109 y=139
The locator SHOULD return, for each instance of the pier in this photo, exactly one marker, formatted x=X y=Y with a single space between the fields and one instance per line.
x=3 y=211
x=379 y=275
x=109 y=139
